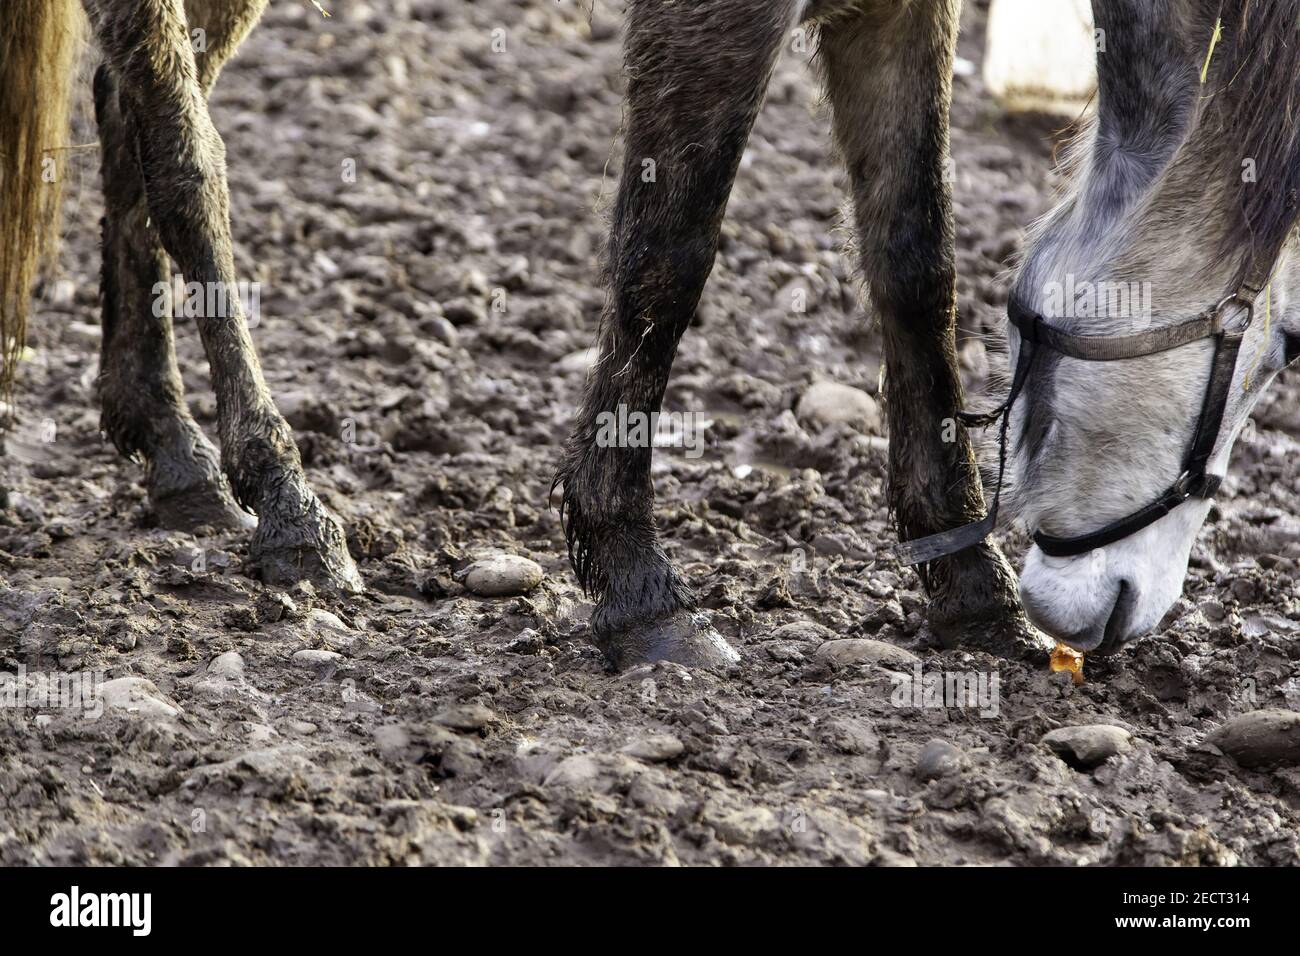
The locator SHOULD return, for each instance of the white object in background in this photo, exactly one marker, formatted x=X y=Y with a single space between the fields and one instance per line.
x=1042 y=55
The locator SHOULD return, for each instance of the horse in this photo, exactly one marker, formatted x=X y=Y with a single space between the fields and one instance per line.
x=1186 y=184
x=1188 y=92
x=165 y=194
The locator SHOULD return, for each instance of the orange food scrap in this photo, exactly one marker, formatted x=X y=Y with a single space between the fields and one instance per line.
x=1066 y=658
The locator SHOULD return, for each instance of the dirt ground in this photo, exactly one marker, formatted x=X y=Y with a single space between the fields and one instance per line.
x=425 y=328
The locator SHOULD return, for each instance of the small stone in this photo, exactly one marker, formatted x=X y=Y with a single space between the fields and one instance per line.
x=1214 y=611
x=576 y=771
x=315 y=658
x=464 y=311
x=784 y=653
x=273 y=606
x=229 y=665
x=136 y=697
x=325 y=623
x=307 y=411
x=441 y=329
x=579 y=361
x=1088 y=746
x=466 y=717
x=503 y=575
x=804 y=632
x=747 y=827
x=861 y=650
x=655 y=748
x=850 y=735
x=1260 y=738
x=939 y=759
x=830 y=403
x=392 y=739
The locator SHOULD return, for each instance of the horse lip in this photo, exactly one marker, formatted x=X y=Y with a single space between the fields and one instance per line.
x=1079 y=640
x=1084 y=641
x=1117 y=623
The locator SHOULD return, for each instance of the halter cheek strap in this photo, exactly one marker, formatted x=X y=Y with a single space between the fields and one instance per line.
x=1194 y=482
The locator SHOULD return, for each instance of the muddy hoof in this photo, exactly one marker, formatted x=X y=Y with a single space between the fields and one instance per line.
x=1011 y=637
x=187 y=490
x=975 y=605
x=684 y=638
x=208 y=505
x=312 y=548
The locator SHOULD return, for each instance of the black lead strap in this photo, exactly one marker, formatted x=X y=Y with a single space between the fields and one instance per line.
x=959 y=539
x=1194 y=482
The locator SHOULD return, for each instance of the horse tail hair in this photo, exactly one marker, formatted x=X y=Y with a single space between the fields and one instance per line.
x=39 y=42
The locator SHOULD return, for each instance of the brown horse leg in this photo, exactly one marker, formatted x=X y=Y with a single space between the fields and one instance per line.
x=142 y=406
x=696 y=76
x=182 y=159
x=888 y=70
x=141 y=394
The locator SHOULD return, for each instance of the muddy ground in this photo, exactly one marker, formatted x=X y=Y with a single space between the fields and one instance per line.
x=442 y=727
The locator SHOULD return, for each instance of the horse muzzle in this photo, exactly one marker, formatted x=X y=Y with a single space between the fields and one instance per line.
x=1075 y=606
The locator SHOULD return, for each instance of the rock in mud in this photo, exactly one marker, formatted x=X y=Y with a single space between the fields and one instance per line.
x=830 y=403
x=579 y=361
x=1089 y=746
x=747 y=827
x=229 y=665
x=1261 y=738
x=804 y=632
x=939 y=759
x=135 y=697
x=327 y=625
x=655 y=748
x=316 y=659
x=850 y=735
x=503 y=575
x=578 y=771
x=861 y=650
x=466 y=717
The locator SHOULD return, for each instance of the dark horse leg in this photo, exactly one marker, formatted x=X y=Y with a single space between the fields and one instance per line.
x=696 y=76
x=161 y=114
x=141 y=395
x=888 y=70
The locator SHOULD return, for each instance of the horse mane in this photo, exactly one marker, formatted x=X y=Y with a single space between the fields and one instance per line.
x=1252 y=93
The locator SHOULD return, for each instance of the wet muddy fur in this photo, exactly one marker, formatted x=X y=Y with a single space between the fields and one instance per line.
x=696 y=79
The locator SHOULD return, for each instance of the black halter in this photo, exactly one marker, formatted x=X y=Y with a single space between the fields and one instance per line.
x=1194 y=482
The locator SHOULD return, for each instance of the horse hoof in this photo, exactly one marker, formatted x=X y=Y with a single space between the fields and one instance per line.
x=683 y=637
x=205 y=506
x=1010 y=637
x=312 y=549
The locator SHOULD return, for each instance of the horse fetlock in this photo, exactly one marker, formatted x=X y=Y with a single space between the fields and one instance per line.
x=974 y=604
x=261 y=459
x=187 y=489
x=631 y=597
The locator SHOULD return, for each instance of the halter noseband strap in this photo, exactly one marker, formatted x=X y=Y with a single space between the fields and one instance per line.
x=1194 y=482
